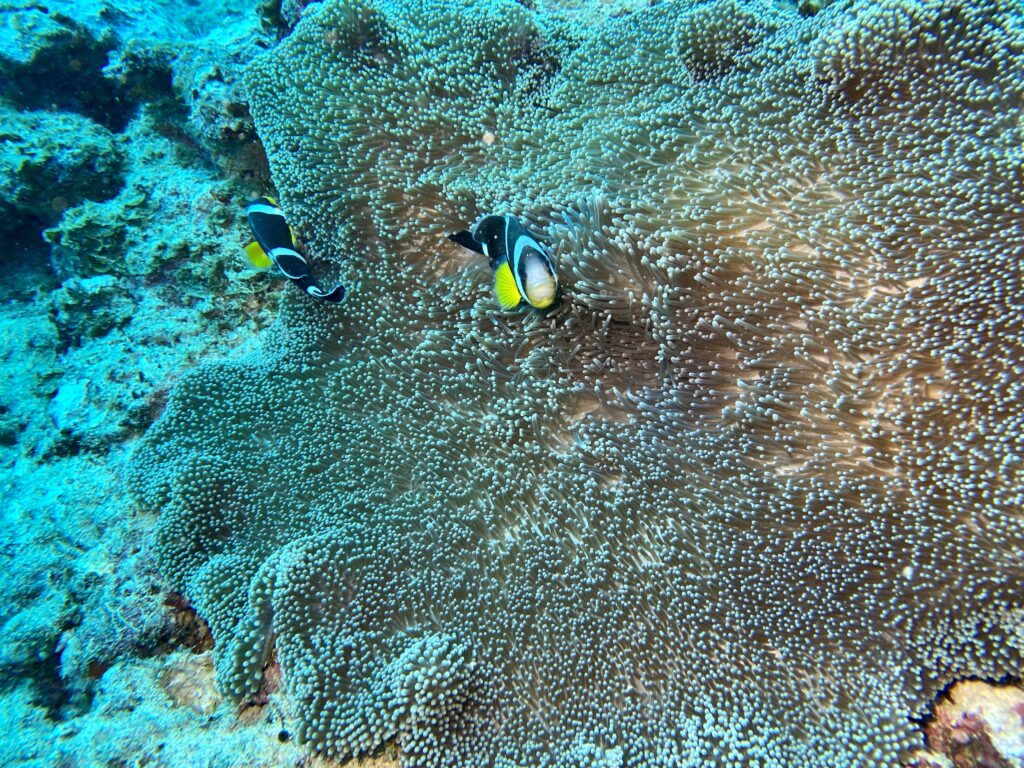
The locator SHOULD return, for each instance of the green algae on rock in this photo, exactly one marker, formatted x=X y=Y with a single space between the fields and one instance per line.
x=750 y=496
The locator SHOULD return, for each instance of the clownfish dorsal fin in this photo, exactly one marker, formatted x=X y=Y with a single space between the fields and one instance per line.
x=505 y=288
x=257 y=257
x=465 y=239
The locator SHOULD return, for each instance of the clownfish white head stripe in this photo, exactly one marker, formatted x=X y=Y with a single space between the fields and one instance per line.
x=523 y=268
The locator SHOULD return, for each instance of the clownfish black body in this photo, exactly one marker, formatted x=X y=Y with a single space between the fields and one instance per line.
x=523 y=268
x=275 y=244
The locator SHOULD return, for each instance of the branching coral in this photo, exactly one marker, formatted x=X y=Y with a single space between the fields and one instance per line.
x=750 y=496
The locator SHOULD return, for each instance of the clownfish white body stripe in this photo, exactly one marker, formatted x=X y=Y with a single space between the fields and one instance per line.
x=523 y=268
x=275 y=245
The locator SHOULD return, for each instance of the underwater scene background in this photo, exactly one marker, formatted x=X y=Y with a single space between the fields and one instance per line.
x=629 y=384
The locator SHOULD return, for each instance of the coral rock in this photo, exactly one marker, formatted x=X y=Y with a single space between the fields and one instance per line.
x=978 y=724
x=51 y=161
x=85 y=308
x=189 y=682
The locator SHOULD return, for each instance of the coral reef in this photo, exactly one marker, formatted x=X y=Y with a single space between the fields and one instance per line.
x=126 y=155
x=750 y=496
x=163 y=712
x=126 y=211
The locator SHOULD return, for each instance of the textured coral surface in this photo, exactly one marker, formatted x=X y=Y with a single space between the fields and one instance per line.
x=749 y=496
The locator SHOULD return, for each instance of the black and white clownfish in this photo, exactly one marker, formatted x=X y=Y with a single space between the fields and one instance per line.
x=523 y=269
x=275 y=244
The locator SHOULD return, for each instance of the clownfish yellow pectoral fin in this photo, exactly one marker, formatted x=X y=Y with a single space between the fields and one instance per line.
x=257 y=257
x=505 y=287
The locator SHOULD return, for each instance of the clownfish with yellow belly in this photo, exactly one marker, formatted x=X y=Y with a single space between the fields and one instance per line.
x=523 y=269
x=275 y=245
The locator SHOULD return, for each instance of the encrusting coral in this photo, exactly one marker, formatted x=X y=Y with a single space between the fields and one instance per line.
x=749 y=496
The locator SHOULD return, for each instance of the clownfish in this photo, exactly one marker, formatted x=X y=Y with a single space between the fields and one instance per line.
x=275 y=245
x=523 y=269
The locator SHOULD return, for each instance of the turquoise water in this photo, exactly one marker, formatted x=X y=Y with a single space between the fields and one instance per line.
x=749 y=493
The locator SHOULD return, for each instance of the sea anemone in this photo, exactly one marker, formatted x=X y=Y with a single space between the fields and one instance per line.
x=751 y=495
